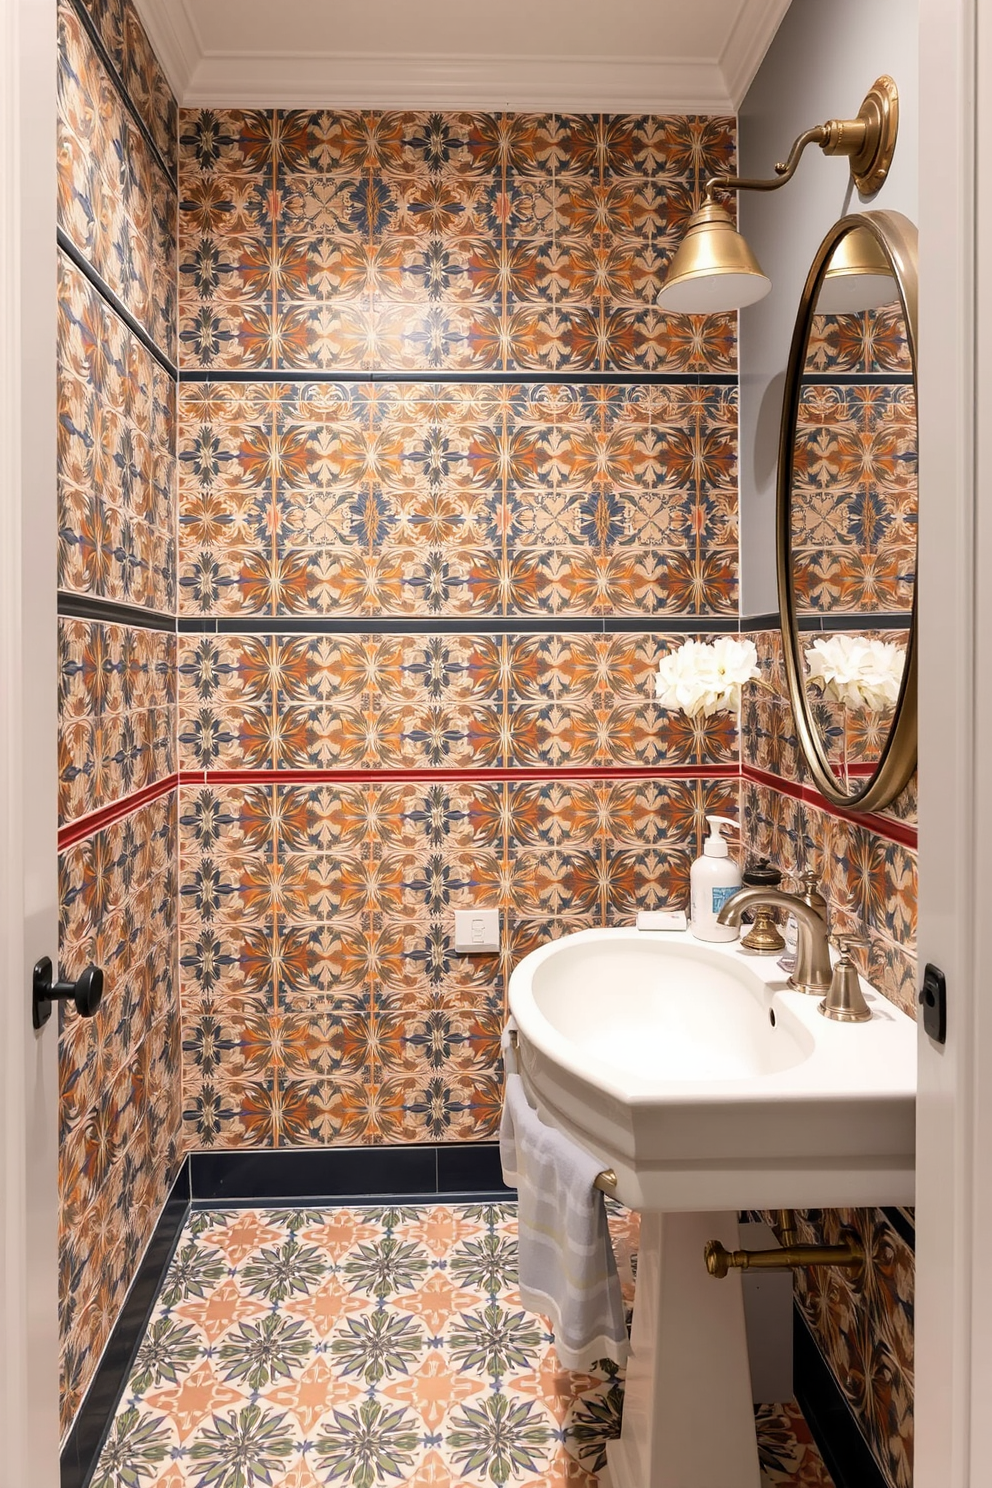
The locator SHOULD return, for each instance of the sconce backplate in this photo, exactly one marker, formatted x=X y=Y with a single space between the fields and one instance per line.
x=880 y=112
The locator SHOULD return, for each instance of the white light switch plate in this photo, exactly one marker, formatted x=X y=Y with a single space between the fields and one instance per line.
x=476 y=931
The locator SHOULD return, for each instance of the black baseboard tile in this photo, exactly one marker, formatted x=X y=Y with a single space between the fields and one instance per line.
x=847 y=1455
x=96 y=1414
x=346 y=1175
x=471 y=1168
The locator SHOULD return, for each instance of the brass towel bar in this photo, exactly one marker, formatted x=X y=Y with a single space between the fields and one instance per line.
x=606 y=1181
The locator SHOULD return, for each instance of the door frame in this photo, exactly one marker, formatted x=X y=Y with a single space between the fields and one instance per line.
x=954 y=1107
x=28 y=742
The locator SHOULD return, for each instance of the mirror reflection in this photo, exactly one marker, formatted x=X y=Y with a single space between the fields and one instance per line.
x=853 y=519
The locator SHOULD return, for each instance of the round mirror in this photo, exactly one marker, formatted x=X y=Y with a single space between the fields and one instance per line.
x=847 y=512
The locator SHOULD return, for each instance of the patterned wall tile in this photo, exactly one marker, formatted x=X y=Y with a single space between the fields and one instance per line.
x=441 y=240
x=854 y=503
x=118 y=1073
x=410 y=701
x=322 y=1000
x=117 y=713
x=449 y=499
x=853 y=738
x=139 y=71
x=869 y=882
x=114 y=201
x=116 y=456
x=873 y=341
x=864 y=1326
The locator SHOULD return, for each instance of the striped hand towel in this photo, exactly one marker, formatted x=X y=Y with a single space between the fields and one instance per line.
x=568 y=1273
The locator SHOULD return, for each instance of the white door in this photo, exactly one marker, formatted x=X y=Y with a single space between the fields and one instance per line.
x=29 y=1435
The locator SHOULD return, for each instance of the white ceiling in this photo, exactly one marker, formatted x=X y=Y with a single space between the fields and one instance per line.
x=589 y=55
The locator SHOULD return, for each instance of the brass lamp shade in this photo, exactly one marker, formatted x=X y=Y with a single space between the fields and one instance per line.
x=713 y=270
x=858 y=277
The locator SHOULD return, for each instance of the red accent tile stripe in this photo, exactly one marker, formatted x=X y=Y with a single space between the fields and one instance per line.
x=95 y=821
x=373 y=777
x=882 y=826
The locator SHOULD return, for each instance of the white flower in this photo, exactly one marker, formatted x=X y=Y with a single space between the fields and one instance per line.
x=857 y=670
x=704 y=678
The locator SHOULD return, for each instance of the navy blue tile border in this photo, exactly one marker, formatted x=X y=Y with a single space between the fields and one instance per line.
x=96 y=1413
x=438 y=375
x=347 y=1175
x=87 y=607
x=97 y=43
x=875 y=620
x=848 y=1457
x=857 y=379
x=772 y=620
x=882 y=620
x=114 y=300
x=453 y=625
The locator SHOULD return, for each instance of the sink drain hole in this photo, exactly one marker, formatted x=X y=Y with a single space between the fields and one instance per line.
x=771 y=1016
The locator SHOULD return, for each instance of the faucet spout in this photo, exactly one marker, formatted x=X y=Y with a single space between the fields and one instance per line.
x=812 y=972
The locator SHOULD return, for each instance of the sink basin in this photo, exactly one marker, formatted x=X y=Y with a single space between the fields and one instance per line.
x=708 y=1086
x=706 y=1083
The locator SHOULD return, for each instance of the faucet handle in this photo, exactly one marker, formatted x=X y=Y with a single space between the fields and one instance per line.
x=845 y=1002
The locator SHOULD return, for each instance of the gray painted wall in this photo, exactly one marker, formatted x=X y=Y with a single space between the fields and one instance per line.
x=825 y=57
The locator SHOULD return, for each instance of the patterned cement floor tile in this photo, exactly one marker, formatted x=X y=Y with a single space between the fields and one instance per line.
x=299 y=1348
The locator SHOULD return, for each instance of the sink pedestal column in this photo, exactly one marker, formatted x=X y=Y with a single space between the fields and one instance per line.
x=688 y=1420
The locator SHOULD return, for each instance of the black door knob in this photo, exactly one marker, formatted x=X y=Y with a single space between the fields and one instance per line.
x=86 y=992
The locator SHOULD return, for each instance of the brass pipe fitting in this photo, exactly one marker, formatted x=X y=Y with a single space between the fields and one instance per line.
x=787 y=1232
x=720 y=1261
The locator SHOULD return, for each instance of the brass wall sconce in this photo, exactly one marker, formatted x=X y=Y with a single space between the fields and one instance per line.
x=714 y=269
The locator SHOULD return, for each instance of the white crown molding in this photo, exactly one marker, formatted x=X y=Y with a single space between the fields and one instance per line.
x=383 y=81
x=749 y=40
x=268 y=78
x=174 y=38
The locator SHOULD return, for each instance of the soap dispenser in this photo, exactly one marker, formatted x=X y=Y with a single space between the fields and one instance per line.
x=713 y=879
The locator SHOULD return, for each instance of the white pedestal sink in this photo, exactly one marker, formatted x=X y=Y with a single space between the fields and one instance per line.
x=708 y=1087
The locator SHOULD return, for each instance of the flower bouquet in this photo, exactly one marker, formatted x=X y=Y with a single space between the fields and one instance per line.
x=706 y=677
x=857 y=672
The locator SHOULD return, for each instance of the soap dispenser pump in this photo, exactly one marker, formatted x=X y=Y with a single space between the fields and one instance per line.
x=713 y=879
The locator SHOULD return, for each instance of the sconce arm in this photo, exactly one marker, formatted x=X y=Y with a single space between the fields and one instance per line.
x=784 y=170
x=867 y=140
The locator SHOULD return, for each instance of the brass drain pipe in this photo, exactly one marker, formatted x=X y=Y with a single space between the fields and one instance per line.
x=850 y=1255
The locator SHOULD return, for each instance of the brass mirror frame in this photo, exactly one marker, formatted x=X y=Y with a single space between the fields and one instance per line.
x=897 y=237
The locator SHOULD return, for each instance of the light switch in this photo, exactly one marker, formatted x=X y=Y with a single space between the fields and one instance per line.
x=476 y=931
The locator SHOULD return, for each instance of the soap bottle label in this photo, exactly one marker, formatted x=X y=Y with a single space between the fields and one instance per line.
x=720 y=896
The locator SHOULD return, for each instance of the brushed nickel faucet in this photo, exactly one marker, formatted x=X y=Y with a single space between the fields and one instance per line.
x=812 y=972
